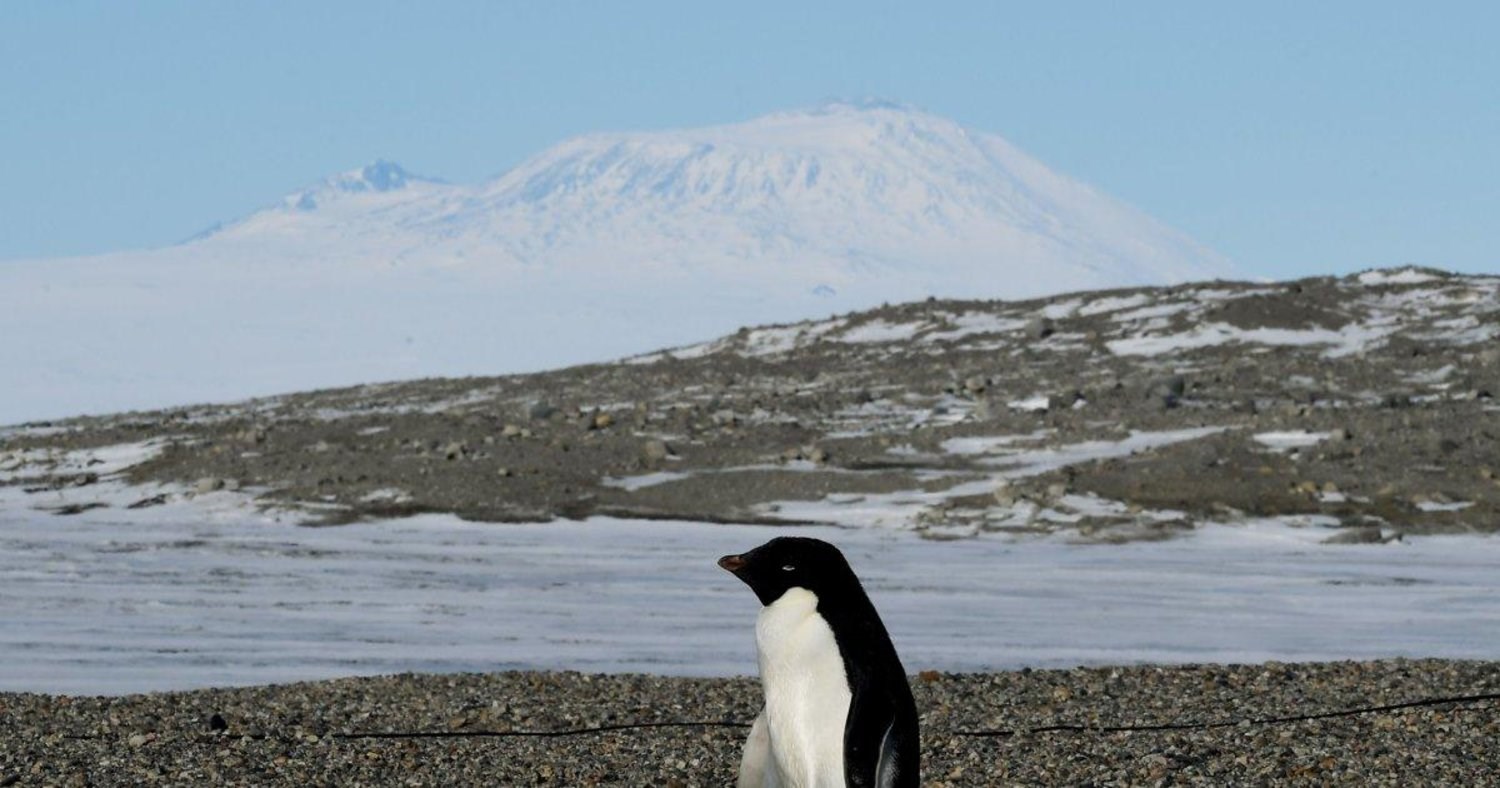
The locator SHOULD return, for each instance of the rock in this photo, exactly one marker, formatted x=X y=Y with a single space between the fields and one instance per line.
x=137 y=740
x=817 y=455
x=540 y=410
x=454 y=450
x=504 y=473
x=1039 y=328
x=602 y=421
x=145 y=503
x=1489 y=357
x=510 y=431
x=208 y=484
x=656 y=450
x=232 y=484
x=1395 y=400
x=976 y=385
x=250 y=435
x=1169 y=386
x=1364 y=534
x=76 y=508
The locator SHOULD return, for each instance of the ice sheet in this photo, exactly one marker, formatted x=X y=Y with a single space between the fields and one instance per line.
x=96 y=606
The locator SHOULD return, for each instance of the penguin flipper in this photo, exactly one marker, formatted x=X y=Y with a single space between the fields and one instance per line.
x=757 y=767
x=885 y=765
x=880 y=750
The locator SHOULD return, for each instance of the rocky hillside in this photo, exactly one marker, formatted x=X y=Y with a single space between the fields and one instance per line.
x=1361 y=404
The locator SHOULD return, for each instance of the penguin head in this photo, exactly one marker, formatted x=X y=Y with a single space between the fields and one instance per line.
x=789 y=562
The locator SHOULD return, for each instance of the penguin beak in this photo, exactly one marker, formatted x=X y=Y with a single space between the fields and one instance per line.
x=733 y=563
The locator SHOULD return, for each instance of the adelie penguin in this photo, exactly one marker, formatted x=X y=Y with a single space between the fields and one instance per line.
x=839 y=712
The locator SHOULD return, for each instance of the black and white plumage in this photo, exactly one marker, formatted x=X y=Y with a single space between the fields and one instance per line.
x=839 y=711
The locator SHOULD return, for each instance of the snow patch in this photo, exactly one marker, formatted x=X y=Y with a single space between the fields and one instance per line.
x=1291 y=439
x=1346 y=341
x=971 y=323
x=880 y=331
x=1401 y=276
x=1033 y=404
x=642 y=481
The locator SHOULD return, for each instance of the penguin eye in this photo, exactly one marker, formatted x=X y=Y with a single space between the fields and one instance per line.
x=788 y=568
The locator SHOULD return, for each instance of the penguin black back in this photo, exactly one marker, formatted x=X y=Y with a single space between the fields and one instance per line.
x=881 y=740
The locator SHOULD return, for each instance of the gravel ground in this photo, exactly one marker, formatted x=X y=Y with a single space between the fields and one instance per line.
x=284 y=735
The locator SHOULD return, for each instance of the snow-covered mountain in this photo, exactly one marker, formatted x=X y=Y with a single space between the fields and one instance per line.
x=601 y=246
x=842 y=196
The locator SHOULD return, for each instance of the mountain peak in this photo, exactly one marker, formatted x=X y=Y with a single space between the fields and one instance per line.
x=845 y=120
x=373 y=178
x=864 y=104
x=380 y=176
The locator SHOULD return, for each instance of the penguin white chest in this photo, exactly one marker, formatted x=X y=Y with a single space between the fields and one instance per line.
x=806 y=689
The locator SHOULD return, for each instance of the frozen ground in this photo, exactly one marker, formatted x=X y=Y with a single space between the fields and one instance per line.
x=114 y=602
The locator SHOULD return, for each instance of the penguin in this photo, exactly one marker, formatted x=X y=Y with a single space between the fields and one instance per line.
x=838 y=709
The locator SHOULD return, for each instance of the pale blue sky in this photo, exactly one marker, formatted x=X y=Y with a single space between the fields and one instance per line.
x=1296 y=138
